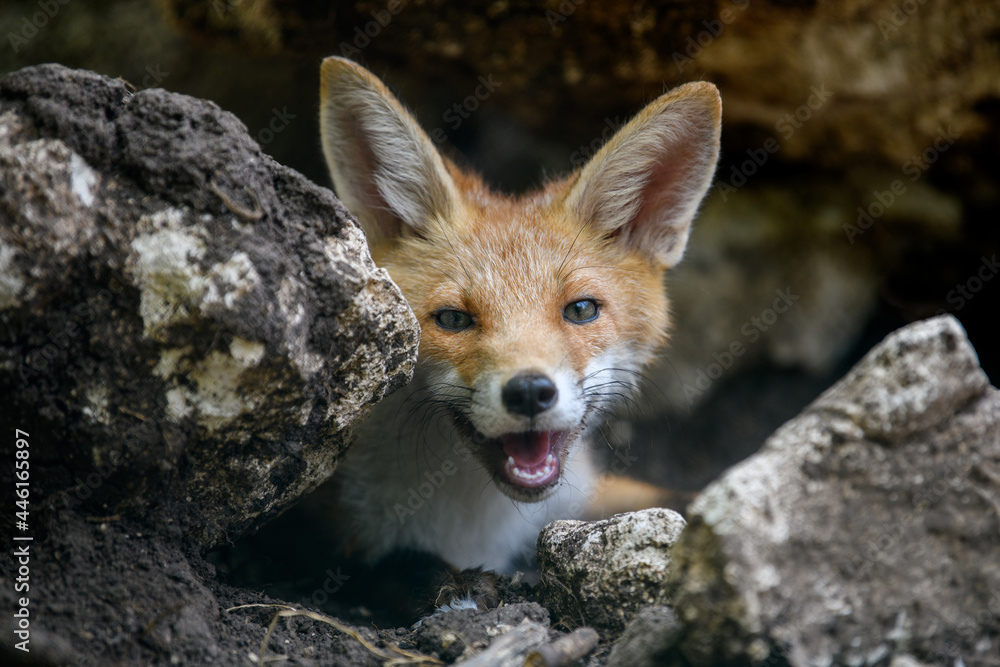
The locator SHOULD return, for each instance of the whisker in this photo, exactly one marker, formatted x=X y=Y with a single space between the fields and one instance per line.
x=609 y=267
x=444 y=232
x=572 y=245
x=425 y=416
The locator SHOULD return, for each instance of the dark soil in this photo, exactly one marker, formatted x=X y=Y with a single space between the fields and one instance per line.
x=104 y=592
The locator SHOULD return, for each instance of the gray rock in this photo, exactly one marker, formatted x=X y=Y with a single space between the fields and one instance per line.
x=190 y=328
x=601 y=573
x=866 y=529
x=905 y=660
x=512 y=648
x=466 y=633
x=647 y=638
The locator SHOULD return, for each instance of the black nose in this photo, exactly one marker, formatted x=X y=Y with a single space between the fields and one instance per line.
x=528 y=394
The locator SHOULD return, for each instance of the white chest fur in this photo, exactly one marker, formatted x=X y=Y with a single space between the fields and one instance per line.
x=411 y=482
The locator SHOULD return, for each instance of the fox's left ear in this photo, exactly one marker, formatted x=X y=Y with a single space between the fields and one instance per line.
x=645 y=184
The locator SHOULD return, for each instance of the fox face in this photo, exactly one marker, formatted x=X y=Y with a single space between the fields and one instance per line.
x=538 y=311
x=530 y=324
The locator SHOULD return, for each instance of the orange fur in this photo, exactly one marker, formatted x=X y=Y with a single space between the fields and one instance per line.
x=558 y=260
x=615 y=494
x=510 y=266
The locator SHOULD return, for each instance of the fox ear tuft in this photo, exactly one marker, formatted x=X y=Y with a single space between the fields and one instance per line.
x=645 y=185
x=384 y=167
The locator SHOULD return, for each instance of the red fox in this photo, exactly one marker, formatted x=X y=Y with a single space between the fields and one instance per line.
x=536 y=313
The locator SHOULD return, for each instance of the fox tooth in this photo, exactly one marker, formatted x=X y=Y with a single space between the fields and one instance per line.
x=378 y=155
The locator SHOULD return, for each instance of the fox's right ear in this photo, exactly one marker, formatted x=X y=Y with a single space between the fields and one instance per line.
x=385 y=169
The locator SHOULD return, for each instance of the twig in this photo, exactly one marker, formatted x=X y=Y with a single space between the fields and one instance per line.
x=256 y=214
x=290 y=612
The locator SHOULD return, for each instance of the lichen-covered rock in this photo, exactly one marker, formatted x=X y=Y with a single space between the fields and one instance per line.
x=865 y=528
x=601 y=573
x=190 y=328
x=775 y=220
x=866 y=88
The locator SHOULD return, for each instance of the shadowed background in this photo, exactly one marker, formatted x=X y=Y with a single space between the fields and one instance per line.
x=857 y=189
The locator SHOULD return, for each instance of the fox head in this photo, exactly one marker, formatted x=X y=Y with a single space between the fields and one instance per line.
x=536 y=311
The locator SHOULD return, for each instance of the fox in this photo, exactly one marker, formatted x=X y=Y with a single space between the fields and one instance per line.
x=537 y=313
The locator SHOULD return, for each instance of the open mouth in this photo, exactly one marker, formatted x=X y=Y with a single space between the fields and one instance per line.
x=532 y=457
x=525 y=464
x=526 y=461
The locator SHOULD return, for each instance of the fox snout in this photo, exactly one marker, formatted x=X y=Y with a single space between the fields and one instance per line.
x=524 y=426
x=537 y=311
x=528 y=394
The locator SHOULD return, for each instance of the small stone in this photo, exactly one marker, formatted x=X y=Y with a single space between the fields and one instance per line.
x=602 y=573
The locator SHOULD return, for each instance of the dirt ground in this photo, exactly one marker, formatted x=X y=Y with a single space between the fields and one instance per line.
x=106 y=591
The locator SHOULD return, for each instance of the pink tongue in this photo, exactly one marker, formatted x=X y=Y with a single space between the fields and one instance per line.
x=528 y=449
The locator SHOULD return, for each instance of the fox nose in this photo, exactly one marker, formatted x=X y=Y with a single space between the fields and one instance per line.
x=529 y=394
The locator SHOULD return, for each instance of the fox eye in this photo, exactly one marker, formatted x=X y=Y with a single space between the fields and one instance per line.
x=581 y=312
x=453 y=320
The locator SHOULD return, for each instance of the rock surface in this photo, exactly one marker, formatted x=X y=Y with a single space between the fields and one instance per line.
x=460 y=635
x=826 y=106
x=889 y=474
x=647 y=639
x=190 y=328
x=784 y=227
x=189 y=331
x=601 y=573
x=107 y=593
x=866 y=528
x=511 y=649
